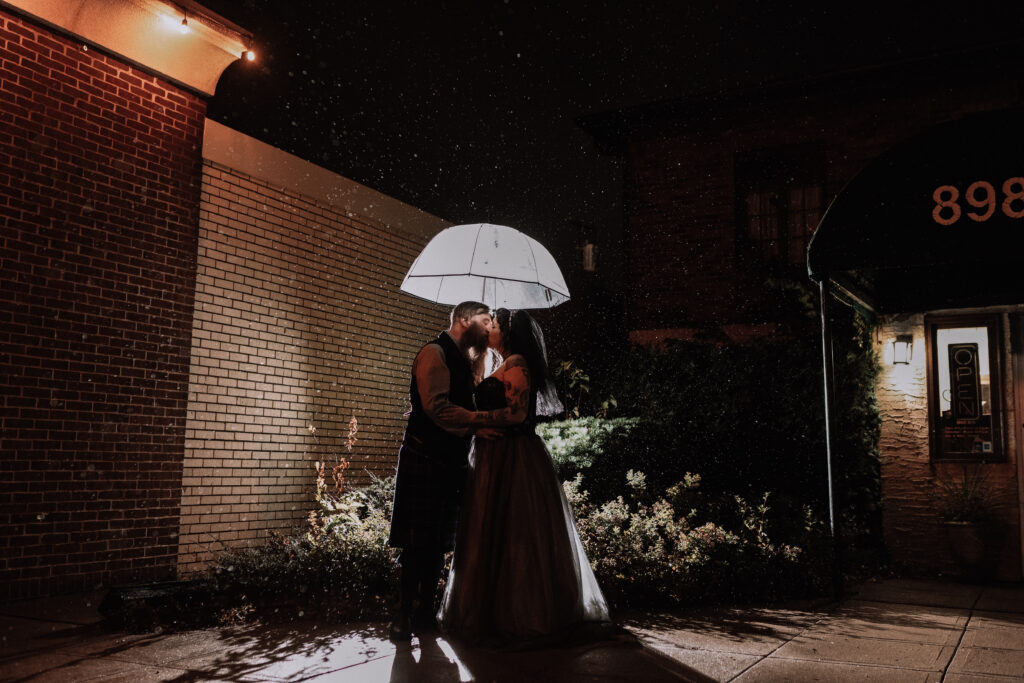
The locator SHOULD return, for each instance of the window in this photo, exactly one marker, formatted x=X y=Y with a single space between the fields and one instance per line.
x=779 y=201
x=964 y=388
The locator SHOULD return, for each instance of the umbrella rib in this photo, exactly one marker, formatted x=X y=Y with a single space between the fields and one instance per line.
x=440 y=284
x=503 y=279
x=472 y=257
x=537 y=270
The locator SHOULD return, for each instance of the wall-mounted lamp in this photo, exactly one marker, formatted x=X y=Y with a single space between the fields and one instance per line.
x=249 y=55
x=902 y=349
x=589 y=257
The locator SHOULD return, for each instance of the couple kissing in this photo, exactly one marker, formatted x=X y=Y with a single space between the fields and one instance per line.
x=474 y=477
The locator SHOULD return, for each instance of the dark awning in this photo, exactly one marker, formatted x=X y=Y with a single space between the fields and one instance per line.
x=882 y=240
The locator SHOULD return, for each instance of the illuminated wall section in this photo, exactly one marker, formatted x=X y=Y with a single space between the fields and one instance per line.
x=914 y=533
x=299 y=328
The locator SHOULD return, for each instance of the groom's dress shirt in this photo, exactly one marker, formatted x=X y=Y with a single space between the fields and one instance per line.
x=433 y=380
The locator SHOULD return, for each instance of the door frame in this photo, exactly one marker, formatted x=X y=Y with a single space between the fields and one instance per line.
x=1016 y=325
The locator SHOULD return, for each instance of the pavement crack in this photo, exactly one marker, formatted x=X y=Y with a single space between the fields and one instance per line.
x=963 y=632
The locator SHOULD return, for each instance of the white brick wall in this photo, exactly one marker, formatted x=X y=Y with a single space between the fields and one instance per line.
x=299 y=326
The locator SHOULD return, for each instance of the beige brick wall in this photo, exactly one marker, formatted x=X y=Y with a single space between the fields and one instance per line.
x=913 y=531
x=299 y=327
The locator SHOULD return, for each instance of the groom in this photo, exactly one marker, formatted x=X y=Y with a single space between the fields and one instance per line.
x=432 y=463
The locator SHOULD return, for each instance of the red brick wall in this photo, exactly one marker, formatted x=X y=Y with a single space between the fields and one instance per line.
x=100 y=166
x=299 y=327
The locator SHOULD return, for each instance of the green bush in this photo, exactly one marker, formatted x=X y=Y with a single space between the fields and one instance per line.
x=748 y=418
x=665 y=551
x=339 y=568
x=684 y=546
x=601 y=449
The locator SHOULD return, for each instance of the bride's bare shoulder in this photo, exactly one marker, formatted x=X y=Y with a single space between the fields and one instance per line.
x=513 y=361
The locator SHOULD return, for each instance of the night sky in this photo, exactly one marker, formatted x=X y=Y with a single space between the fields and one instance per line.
x=467 y=110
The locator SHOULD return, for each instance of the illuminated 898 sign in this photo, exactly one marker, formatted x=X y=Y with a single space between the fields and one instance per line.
x=981 y=200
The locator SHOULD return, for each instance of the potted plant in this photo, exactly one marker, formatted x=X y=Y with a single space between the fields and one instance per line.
x=974 y=533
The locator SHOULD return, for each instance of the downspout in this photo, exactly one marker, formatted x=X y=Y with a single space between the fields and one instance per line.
x=829 y=372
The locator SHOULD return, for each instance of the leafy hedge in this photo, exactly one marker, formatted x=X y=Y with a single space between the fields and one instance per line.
x=748 y=419
x=340 y=567
x=668 y=550
x=680 y=547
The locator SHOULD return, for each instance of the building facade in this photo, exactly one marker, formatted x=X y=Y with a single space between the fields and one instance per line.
x=190 y=319
x=723 y=195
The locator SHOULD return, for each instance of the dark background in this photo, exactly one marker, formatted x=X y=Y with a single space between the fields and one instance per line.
x=467 y=109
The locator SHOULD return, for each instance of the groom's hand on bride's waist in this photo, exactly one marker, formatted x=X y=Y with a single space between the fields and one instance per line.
x=489 y=433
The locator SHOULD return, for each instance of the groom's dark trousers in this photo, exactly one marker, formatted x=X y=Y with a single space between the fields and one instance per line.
x=432 y=467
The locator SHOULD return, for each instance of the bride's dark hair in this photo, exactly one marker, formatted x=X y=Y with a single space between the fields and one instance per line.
x=521 y=335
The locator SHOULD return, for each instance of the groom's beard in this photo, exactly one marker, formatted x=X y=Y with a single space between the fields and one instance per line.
x=478 y=346
x=478 y=338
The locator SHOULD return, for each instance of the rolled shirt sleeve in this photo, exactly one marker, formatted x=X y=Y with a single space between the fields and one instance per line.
x=433 y=380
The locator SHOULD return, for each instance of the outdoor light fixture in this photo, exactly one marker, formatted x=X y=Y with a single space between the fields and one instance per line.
x=902 y=349
x=589 y=260
x=249 y=55
x=184 y=25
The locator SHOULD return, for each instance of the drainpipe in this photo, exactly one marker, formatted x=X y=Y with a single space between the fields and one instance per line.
x=829 y=372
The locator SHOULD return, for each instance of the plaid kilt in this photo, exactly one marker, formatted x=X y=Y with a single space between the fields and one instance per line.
x=428 y=492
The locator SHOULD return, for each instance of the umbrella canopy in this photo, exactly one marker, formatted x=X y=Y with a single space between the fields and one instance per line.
x=493 y=264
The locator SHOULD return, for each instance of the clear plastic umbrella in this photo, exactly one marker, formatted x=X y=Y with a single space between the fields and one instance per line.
x=493 y=264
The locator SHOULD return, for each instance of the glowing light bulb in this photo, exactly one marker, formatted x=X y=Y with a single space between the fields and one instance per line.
x=184 y=25
x=249 y=55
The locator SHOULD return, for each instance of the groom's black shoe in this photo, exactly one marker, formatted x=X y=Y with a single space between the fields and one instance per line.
x=400 y=627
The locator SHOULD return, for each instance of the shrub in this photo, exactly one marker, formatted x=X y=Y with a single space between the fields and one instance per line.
x=749 y=418
x=600 y=449
x=340 y=567
x=666 y=552
x=969 y=498
x=684 y=546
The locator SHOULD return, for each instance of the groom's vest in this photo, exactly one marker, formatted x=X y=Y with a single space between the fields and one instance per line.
x=436 y=441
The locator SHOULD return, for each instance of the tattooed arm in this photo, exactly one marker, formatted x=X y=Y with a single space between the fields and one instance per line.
x=432 y=378
x=516 y=378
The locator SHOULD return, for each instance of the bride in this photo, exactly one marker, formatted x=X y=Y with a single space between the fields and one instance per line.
x=519 y=572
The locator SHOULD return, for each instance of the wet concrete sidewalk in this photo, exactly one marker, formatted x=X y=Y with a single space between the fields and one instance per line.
x=894 y=630
x=63 y=639
x=888 y=631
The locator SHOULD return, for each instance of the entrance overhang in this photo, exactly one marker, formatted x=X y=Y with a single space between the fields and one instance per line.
x=932 y=223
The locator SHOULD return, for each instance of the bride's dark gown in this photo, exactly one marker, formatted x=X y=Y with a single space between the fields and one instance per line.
x=519 y=573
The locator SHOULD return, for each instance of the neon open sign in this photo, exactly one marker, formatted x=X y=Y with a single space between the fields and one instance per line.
x=964 y=381
x=981 y=199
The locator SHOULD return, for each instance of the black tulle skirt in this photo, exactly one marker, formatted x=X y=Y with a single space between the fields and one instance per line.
x=519 y=572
